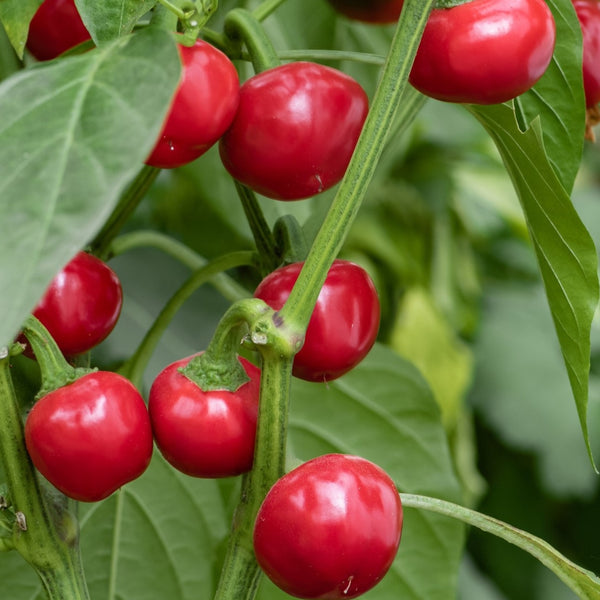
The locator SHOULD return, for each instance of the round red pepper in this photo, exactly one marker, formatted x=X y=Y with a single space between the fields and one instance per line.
x=343 y=326
x=295 y=130
x=484 y=51
x=203 y=107
x=81 y=305
x=204 y=433
x=330 y=528
x=588 y=13
x=90 y=437
x=55 y=28
x=369 y=11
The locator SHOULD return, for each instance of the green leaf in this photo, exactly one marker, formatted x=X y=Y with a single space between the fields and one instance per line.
x=111 y=19
x=384 y=411
x=583 y=582
x=565 y=251
x=74 y=133
x=16 y=16
x=558 y=97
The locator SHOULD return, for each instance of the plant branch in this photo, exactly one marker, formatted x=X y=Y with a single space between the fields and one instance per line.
x=584 y=583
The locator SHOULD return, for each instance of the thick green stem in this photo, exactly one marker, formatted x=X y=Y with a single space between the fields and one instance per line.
x=240 y=574
x=134 y=368
x=39 y=530
x=242 y=26
x=124 y=209
x=584 y=583
x=226 y=285
x=381 y=117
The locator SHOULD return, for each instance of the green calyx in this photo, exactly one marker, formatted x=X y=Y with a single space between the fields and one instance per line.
x=210 y=373
x=55 y=370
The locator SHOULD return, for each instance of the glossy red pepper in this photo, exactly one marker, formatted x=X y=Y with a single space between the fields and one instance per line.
x=295 y=130
x=330 y=528
x=369 y=11
x=55 y=28
x=81 y=305
x=90 y=437
x=484 y=51
x=343 y=326
x=588 y=13
x=204 y=433
x=203 y=107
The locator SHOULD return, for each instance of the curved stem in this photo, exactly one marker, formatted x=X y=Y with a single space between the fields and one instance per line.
x=135 y=366
x=328 y=242
x=241 y=25
x=37 y=530
x=226 y=285
x=124 y=209
x=584 y=583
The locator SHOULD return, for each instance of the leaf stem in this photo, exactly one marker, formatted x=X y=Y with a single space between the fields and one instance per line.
x=39 y=532
x=328 y=242
x=242 y=26
x=135 y=366
x=226 y=285
x=583 y=582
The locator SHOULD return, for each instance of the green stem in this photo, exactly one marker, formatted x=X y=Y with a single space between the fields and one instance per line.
x=226 y=285
x=393 y=83
x=263 y=236
x=124 y=209
x=584 y=583
x=38 y=534
x=240 y=574
x=263 y=10
x=135 y=366
x=242 y=26
x=55 y=371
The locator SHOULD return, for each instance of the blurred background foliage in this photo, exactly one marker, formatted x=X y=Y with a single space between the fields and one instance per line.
x=443 y=236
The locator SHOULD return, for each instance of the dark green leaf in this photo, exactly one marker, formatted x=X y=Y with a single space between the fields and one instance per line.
x=565 y=251
x=74 y=133
x=111 y=19
x=558 y=97
x=15 y=16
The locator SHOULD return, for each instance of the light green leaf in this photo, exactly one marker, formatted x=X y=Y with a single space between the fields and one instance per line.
x=111 y=19
x=74 y=133
x=565 y=251
x=425 y=338
x=15 y=16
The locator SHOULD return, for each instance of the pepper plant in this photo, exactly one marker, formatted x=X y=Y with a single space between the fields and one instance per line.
x=206 y=151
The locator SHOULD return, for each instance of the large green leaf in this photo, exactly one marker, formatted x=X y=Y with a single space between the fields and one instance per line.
x=74 y=133
x=565 y=251
x=110 y=19
x=15 y=16
x=558 y=97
